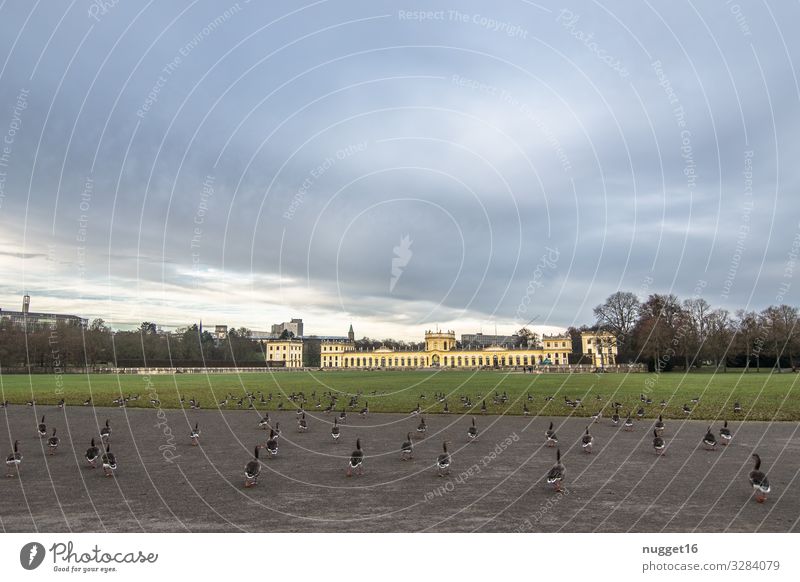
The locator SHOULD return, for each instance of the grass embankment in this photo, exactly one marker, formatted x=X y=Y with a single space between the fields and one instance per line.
x=763 y=396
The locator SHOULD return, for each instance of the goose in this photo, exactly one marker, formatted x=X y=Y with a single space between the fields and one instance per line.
x=302 y=425
x=356 y=462
x=709 y=440
x=272 y=445
x=628 y=424
x=659 y=425
x=109 y=461
x=277 y=430
x=13 y=461
x=555 y=476
x=42 y=429
x=737 y=408
x=443 y=461
x=446 y=410
x=658 y=442
x=525 y=410
x=365 y=410
x=342 y=416
x=263 y=422
x=87 y=402
x=195 y=434
x=615 y=417
x=105 y=432
x=61 y=403
x=483 y=407
x=586 y=441
x=422 y=428
x=759 y=481
x=596 y=416
x=53 y=443
x=407 y=449
x=640 y=412
x=725 y=433
x=686 y=409
x=530 y=398
x=4 y=404
x=472 y=432
x=92 y=454
x=252 y=469
x=299 y=412
x=550 y=436
x=663 y=403
x=335 y=430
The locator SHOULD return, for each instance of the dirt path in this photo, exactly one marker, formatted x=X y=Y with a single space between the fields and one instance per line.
x=496 y=483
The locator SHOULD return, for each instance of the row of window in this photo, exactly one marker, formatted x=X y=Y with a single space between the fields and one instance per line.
x=452 y=361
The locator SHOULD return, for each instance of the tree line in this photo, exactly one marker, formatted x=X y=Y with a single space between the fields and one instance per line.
x=666 y=332
x=72 y=347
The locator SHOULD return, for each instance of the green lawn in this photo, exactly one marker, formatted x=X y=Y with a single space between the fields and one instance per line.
x=763 y=396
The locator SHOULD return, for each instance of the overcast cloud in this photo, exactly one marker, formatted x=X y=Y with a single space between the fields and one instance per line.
x=249 y=162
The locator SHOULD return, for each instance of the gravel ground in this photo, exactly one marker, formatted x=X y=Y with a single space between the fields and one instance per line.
x=496 y=483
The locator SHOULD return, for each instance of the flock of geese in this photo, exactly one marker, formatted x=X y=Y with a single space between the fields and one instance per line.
x=355 y=464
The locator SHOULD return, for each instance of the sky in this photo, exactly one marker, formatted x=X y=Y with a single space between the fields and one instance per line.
x=395 y=165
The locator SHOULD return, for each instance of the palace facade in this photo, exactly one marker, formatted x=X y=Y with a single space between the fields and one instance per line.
x=442 y=351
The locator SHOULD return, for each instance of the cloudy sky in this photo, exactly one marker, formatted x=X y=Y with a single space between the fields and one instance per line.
x=366 y=162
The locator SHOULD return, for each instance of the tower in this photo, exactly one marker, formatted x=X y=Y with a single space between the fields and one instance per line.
x=440 y=340
x=351 y=335
x=26 y=303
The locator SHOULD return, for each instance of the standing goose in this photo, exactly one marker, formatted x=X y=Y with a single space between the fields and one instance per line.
x=42 y=428
x=272 y=444
x=422 y=428
x=277 y=431
x=195 y=434
x=109 y=461
x=555 y=476
x=640 y=412
x=263 y=423
x=105 y=432
x=53 y=443
x=365 y=410
x=13 y=461
x=446 y=409
x=658 y=442
x=92 y=454
x=550 y=436
x=525 y=410
x=759 y=481
x=659 y=426
x=335 y=430
x=725 y=433
x=302 y=425
x=343 y=416
x=737 y=408
x=586 y=441
x=628 y=424
x=709 y=440
x=407 y=449
x=615 y=417
x=251 y=470
x=443 y=461
x=472 y=432
x=356 y=462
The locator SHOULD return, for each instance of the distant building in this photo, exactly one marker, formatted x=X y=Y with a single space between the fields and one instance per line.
x=33 y=321
x=220 y=332
x=600 y=348
x=295 y=326
x=479 y=340
x=442 y=351
x=284 y=353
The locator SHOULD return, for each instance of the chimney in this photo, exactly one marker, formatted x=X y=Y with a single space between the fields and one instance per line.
x=26 y=303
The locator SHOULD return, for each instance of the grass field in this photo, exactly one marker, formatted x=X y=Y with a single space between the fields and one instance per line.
x=763 y=396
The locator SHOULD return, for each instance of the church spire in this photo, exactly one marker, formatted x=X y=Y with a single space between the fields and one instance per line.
x=351 y=334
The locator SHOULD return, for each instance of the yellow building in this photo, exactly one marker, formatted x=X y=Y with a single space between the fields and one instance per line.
x=286 y=353
x=441 y=352
x=600 y=348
